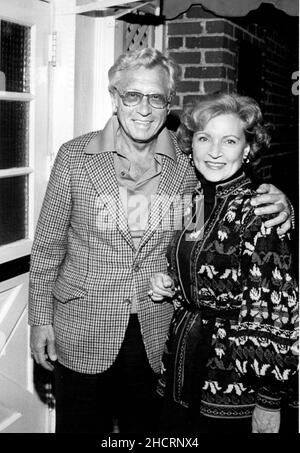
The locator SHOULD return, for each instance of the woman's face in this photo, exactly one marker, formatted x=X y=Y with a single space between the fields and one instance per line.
x=219 y=149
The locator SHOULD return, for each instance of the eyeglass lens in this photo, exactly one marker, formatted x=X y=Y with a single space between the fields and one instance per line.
x=156 y=100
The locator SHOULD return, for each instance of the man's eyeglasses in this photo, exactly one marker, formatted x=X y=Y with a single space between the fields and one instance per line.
x=133 y=98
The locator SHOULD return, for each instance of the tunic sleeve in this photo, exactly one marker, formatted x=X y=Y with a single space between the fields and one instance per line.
x=266 y=337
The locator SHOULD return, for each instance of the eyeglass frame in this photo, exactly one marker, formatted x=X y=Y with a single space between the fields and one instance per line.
x=168 y=98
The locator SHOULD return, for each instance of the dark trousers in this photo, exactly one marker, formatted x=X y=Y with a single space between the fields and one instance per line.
x=87 y=403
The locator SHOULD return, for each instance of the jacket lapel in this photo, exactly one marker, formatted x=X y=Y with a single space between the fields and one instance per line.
x=105 y=183
x=171 y=179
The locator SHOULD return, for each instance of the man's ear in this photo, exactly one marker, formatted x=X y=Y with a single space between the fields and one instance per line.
x=114 y=102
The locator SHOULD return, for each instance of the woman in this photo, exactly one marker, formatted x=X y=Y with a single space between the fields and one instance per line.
x=231 y=347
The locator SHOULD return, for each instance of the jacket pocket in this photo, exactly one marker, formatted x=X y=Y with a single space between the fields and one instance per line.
x=64 y=291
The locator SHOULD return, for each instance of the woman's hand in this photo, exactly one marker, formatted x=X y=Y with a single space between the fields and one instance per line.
x=264 y=421
x=275 y=201
x=161 y=286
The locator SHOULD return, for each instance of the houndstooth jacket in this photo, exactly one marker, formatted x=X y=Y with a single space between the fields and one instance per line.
x=84 y=267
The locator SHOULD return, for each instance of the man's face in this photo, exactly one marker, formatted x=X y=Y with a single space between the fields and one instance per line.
x=142 y=122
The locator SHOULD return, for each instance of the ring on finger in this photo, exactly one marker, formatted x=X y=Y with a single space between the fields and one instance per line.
x=150 y=293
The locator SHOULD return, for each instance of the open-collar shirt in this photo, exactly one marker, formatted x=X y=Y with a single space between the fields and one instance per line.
x=136 y=193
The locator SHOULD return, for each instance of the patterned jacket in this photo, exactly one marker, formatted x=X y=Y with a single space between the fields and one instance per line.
x=232 y=341
x=84 y=267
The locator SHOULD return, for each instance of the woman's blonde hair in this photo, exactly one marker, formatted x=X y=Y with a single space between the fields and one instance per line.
x=196 y=115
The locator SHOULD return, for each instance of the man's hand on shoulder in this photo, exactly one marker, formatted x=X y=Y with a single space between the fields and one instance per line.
x=42 y=344
x=271 y=200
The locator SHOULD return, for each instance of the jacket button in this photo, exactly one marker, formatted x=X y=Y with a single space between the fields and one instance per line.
x=136 y=267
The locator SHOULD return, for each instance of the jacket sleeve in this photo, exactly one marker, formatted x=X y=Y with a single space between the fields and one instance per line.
x=267 y=331
x=50 y=241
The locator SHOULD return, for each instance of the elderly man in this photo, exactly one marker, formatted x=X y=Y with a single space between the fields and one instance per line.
x=109 y=213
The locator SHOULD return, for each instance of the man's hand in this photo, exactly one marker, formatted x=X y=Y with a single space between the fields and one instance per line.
x=42 y=344
x=276 y=202
x=265 y=421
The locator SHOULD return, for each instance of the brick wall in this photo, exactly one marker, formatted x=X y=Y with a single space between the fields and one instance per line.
x=221 y=54
x=205 y=47
x=280 y=107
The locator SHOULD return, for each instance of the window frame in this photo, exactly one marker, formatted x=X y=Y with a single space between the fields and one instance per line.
x=22 y=247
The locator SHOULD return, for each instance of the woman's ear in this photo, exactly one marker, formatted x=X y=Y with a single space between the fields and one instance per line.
x=246 y=153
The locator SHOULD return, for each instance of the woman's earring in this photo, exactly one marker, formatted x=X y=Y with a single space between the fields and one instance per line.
x=191 y=160
x=246 y=159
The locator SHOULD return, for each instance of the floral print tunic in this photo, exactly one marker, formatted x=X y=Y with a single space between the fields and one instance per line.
x=233 y=337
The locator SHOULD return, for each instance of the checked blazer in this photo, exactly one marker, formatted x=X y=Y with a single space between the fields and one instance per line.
x=84 y=267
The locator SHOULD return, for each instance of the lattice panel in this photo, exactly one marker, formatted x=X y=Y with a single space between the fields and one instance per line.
x=138 y=36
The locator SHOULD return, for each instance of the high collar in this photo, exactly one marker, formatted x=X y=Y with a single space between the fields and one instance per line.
x=224 y=188
x=105 y=141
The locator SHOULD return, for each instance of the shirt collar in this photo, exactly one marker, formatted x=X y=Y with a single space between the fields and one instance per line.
x=105 y=141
